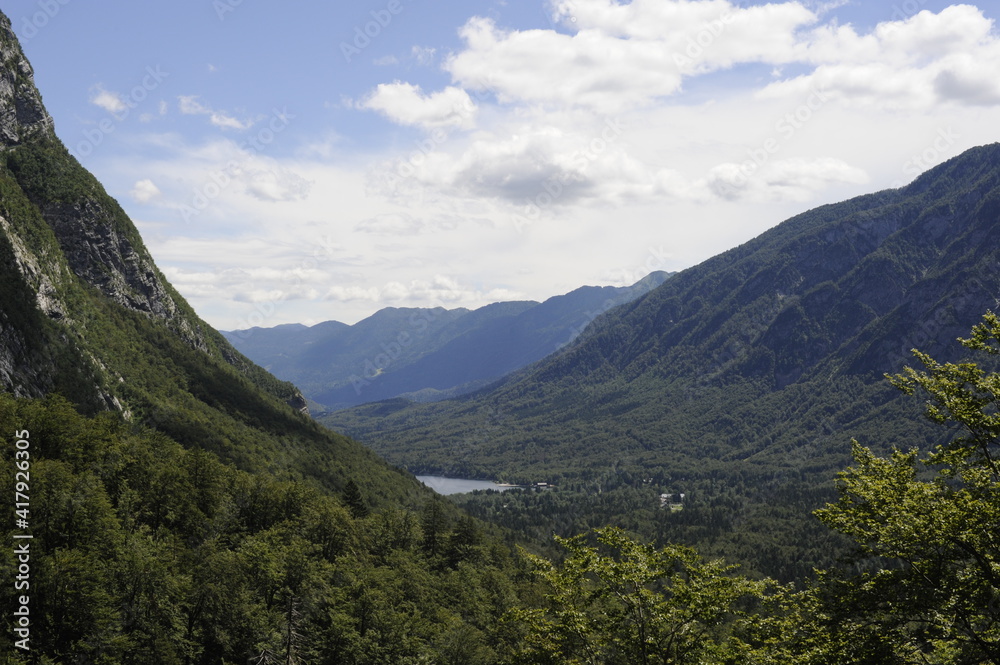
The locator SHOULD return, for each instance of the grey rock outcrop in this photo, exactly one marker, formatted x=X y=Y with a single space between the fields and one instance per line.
x=102 y=256
x=21 y=110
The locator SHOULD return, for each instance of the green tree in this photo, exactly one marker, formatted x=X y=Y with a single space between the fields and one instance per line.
x=354 y=500
x=435 y=522
x=629 y=603
x=933 y=520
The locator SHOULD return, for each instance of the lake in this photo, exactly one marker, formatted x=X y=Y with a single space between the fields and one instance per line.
x=443 y=485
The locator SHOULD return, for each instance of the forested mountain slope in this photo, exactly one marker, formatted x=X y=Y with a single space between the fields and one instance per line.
x=85 y=312
x=737 y=379
x=427 y=354
x=176 y=502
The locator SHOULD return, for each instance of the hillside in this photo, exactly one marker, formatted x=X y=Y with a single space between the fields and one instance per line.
x=426 y=354
x=738 y=382
x=85 y=312
x=174 y=504
x=177 y=504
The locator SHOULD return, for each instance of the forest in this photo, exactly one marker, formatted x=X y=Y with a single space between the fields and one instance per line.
x=145 y=551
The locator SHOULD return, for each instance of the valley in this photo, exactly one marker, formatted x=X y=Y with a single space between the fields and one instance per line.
x=786 y=453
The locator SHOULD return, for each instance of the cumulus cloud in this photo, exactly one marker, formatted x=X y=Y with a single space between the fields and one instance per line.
x=531 y=164
x=111 y=102
x=910 y=64
x=623 y=55
x=144 y=191
x=406 y=104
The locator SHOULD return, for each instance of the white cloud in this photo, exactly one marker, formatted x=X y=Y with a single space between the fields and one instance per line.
x=424 y=55
x=276 y=185
x=627 y=55
x=791 y=179
x=406 y=104
x=111 y=102
x=912 y=64
x=406 y=224
x=623 y=55
x=385 y=61
x=228 y=122
x=189 y=105
x=579 y=160
x=440 y=290
x=145 y=191
x=352 y=293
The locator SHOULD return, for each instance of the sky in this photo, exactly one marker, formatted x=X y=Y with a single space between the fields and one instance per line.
x=302 y=161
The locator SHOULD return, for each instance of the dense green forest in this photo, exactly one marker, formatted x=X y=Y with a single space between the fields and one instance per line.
x=144 y=551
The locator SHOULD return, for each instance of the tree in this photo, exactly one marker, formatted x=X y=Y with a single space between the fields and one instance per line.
x=354 y=500
x=934 y=520
x=435 y=522
x=629 y=604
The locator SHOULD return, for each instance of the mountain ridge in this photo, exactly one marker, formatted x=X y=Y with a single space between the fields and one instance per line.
x=427 y=354
x=737 y=379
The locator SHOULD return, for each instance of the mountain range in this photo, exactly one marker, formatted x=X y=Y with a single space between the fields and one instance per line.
x=426 y=354
x=739 y=381
x=173 y=502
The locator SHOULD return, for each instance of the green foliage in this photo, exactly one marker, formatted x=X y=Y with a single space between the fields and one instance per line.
x=147 y=551
x=144 y=551
x=634 y=604
x=934 y=519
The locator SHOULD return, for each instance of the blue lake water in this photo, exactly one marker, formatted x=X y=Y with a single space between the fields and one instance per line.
x=443 y=485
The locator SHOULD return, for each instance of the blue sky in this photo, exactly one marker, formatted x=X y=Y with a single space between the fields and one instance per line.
x=306 y=161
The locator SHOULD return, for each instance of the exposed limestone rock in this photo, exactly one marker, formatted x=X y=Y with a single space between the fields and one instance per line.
x=21 y=109
x=103 y=257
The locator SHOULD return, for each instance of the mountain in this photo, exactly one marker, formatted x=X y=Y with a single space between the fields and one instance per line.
x=738 y=382
x=426 y=354
x=85 y=312
x=175 y=502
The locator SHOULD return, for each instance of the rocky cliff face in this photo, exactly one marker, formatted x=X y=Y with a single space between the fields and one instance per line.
x=90 y=229
x=63 y=241
x=103 y=257
x=21 y=111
